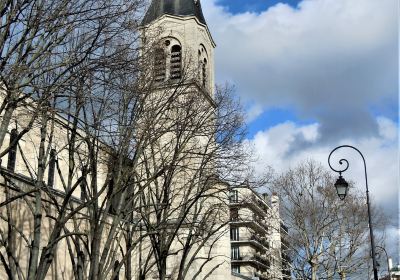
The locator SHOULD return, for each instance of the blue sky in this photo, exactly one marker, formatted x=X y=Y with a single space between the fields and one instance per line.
x=240 y=6
x=313 y=75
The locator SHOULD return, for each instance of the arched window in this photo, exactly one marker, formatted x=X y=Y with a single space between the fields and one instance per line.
x=176 y=62
x=159 y=65
x=204 y=73
x=203 y=66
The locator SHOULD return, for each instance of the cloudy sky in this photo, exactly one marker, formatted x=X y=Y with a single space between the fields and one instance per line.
x=315 y=74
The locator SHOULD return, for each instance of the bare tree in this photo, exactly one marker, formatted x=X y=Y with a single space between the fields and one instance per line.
x=328 y=236
x=55 y=56
x=183 y=205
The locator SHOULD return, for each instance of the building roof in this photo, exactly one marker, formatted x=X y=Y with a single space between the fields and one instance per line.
x=159 y=8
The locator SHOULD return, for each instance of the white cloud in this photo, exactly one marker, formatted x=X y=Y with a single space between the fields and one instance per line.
x=274 y=148
x=253 y=113
x=387 y=129
x=330 y=60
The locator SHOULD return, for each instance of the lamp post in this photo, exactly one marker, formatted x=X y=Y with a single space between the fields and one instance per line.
x=342 y=186
x=387 y=260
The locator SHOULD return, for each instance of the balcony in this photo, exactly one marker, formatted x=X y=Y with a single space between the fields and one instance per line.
x=260 y=203
x=261 y=240
x=252 y=260
x=253 y=241
x=254 y=203
x=246 y=222
x=261 y=222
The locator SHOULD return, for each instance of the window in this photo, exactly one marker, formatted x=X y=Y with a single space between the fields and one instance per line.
x=159 y=65
x=235 y=234
x=83 y=184
x=233 y=196
x=12 y=153
x=236 y=268
x=204 y=72
x=176 y=62
x=203 y=66
x=234 y=214
x=52 y=165
x=235 y=253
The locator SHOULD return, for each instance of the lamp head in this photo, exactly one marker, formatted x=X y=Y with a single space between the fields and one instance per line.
x=341 y=187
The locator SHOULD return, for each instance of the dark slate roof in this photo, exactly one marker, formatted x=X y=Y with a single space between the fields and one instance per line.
x=159 y=8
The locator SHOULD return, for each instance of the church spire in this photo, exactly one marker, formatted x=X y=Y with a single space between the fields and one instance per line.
x=181 y=8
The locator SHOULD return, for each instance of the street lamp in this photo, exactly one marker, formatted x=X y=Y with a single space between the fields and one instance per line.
x=387 y=260
x=342 y=186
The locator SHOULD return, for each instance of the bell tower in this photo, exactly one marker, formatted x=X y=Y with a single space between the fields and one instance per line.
x=178 y=54
x=183 y=48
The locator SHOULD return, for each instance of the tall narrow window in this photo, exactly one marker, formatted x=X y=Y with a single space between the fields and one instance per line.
x=159 y=65
x=236 y=268
x=12 y=153
x=52 y=165
x=233 y=196
x=235 y=253
x=176 y=62
x=204 y=72
x=235 y=234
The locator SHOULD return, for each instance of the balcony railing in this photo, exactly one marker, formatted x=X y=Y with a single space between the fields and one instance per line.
x=256 y=225
x=261 y=240
x=251 y=202
x=254 y=241
x=260 y=203
x=253 y=260
x=261 y=222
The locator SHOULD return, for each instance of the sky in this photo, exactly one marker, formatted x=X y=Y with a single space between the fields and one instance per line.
x=313 y=75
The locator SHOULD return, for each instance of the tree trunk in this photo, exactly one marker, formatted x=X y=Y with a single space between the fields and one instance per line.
x=128 y=262
x=38 y=200
x=81 y=258
x=314 y=272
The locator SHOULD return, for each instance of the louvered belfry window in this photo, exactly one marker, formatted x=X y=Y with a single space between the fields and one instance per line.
x=159 y=65
x=204 y=72
x=176 y=62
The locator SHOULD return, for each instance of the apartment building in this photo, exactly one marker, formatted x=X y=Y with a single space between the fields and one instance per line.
x=259 y=238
